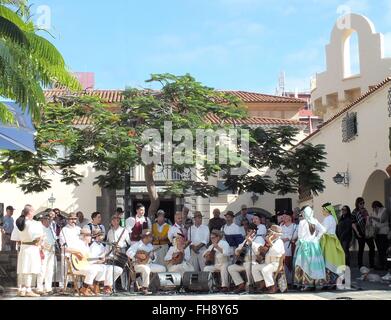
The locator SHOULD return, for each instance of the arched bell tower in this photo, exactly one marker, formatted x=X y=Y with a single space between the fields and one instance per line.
x=337 y=87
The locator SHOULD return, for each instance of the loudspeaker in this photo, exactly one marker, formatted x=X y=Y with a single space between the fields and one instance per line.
x=168 y=281
x=284 y=205
x=198 y=281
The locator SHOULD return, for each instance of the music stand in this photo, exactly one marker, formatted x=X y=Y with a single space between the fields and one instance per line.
x=234 y=240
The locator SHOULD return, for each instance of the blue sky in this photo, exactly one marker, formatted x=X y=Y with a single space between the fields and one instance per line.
x=226 y=44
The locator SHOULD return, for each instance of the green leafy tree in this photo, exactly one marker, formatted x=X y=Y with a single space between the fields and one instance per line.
x=113 y=142
x=28 y=62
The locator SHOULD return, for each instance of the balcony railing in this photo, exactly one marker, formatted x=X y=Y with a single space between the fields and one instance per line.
x=161 y=175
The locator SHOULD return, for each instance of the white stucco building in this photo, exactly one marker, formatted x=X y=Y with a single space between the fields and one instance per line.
x=357 y=110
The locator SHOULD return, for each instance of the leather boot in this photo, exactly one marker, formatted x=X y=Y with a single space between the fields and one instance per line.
x=240 y=288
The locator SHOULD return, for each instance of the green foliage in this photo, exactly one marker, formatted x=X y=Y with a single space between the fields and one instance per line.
x=112 y=143
x=28 y=61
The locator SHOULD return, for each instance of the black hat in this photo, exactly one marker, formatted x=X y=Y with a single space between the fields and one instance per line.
x=10 y=208
x=326 y=205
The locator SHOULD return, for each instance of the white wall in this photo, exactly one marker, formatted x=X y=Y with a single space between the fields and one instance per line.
x=68 y=197
x=363 y=156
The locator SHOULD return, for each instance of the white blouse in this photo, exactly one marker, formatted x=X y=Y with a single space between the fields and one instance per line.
x=305 y=234
x=330 y=224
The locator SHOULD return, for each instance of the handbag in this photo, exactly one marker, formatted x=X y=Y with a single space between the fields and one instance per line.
x=370 y=230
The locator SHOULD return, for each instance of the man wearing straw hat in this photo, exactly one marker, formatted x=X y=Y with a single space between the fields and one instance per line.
x=263 y=273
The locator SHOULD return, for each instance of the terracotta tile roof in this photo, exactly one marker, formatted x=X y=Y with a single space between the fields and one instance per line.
x=107 y=96
x=254 y=97
x=257 y=121
x=115 y=96
x=370 y=92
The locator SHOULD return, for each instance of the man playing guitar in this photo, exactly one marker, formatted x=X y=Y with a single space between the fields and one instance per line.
x=98 y=250
x=263 y=273
x=249 y=249
x=220 y=252
x=141 y=253
x=178 y=256
x=81 y=250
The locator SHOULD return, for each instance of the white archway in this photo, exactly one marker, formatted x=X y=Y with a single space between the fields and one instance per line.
x=374 y=188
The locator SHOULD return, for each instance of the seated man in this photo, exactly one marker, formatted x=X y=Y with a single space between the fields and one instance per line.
x=141 y=253
x=80 y=248
x=98 y=250
x=216 y=257
x=178 y=256
x=263 y=273
x=248 y=249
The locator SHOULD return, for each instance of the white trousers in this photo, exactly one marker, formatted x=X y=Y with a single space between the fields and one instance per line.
x=91 y=273
x=223 y=268
x=47 y=272
x=265 y=272
x=198 y=260
x=181 y=268
x=146 y=270
x=27 y=279
x=109 y=274
x=234 y=270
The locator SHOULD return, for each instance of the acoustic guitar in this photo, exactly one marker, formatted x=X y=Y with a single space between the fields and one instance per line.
x=82 y=264
x=142 y=257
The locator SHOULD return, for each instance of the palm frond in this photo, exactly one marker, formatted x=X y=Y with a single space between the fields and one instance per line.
x=6 y=116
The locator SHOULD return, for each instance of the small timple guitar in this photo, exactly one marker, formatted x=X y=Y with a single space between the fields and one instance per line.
x=81 y=264
x=143 y=257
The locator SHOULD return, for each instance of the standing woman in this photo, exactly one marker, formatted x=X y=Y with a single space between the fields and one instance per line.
x=360 y=220
x=345 y=231
x=309 y=262
x=29 y=259
x=380 y=220
x=333 y=253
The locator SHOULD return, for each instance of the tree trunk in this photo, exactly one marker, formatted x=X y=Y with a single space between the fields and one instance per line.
x=152 y=192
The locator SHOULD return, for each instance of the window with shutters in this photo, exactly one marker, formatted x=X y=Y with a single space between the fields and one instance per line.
x=349 y=127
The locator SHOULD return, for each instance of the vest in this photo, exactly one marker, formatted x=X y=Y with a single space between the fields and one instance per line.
x=162 y=235
x=138 y=230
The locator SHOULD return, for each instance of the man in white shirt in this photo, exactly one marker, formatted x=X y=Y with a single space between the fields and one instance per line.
x=178 y=256
x=136 y=252
x=221 y=260
x=243 y=215
x=48 y=249
x=136 y=225
x=81 y=221
x=119 y=236
x=111 y=273
x=289 y=237
x=81 y=249
x=69 y=234
x=96 y=224
x=178 y=227
x=198 y=235
x=232 y=229
x=249 y=248
x=263 y=273
x=257 y=220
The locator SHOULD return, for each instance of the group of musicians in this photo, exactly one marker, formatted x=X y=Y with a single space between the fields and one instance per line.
x=141 y=247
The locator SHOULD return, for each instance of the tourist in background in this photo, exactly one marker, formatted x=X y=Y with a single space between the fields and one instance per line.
x=360 y=219
x=345 y=232
x=380 y=221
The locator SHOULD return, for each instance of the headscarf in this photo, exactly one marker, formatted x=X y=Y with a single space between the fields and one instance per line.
x=309 y=215
x=331 y=210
